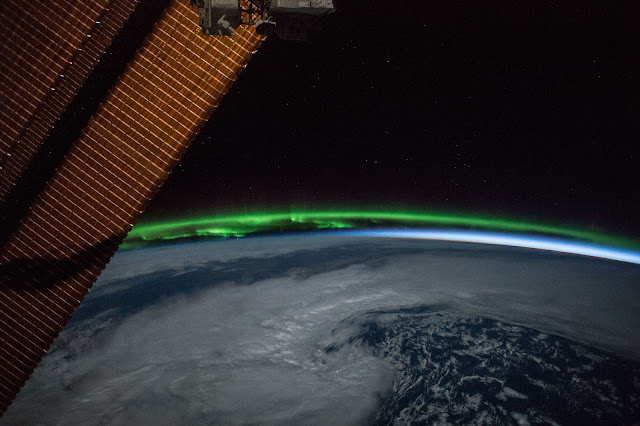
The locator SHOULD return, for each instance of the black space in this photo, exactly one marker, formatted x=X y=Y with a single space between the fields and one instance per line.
x=522 y=109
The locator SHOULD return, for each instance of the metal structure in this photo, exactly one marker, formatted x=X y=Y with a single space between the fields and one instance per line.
x=85 y=206
x=287 y=19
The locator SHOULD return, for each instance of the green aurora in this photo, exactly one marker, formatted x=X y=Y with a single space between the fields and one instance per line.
x=235 y=226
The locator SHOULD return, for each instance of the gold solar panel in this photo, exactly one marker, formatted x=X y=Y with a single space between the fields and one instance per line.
x=124 y=154
x=47 y=51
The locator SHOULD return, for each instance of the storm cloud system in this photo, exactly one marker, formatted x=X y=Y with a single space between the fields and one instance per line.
x=332 y=329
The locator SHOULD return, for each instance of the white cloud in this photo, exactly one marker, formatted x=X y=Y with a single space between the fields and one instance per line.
x=255 y=353
x=187 y=256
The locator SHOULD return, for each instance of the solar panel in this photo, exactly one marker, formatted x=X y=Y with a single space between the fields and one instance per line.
x=124 y=154
x=48 y=50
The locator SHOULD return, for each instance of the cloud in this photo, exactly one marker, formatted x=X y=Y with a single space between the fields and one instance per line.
x=189 y=256
x=258 y=353
x=231 y=354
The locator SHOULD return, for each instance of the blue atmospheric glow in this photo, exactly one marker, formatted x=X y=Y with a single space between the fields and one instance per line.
x=538 y=243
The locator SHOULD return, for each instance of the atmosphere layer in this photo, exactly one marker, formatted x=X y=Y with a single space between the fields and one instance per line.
x=500 y=239
x=235 y=226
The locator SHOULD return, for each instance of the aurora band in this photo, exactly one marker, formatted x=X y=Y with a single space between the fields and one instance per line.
x=469 y=228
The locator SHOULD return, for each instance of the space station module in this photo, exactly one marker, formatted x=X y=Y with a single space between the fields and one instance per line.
x=287 y=19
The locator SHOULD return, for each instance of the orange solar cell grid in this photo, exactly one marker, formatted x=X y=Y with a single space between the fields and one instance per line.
x=48 y=50
x=125 y=153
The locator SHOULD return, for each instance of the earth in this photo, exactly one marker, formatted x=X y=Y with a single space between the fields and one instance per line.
x=334 y=329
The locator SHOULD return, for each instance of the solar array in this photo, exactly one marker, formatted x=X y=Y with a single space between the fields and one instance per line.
x=48 y=50
x=124 y=154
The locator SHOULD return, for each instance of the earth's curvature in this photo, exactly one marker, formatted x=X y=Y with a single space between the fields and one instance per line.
x=344 y=329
